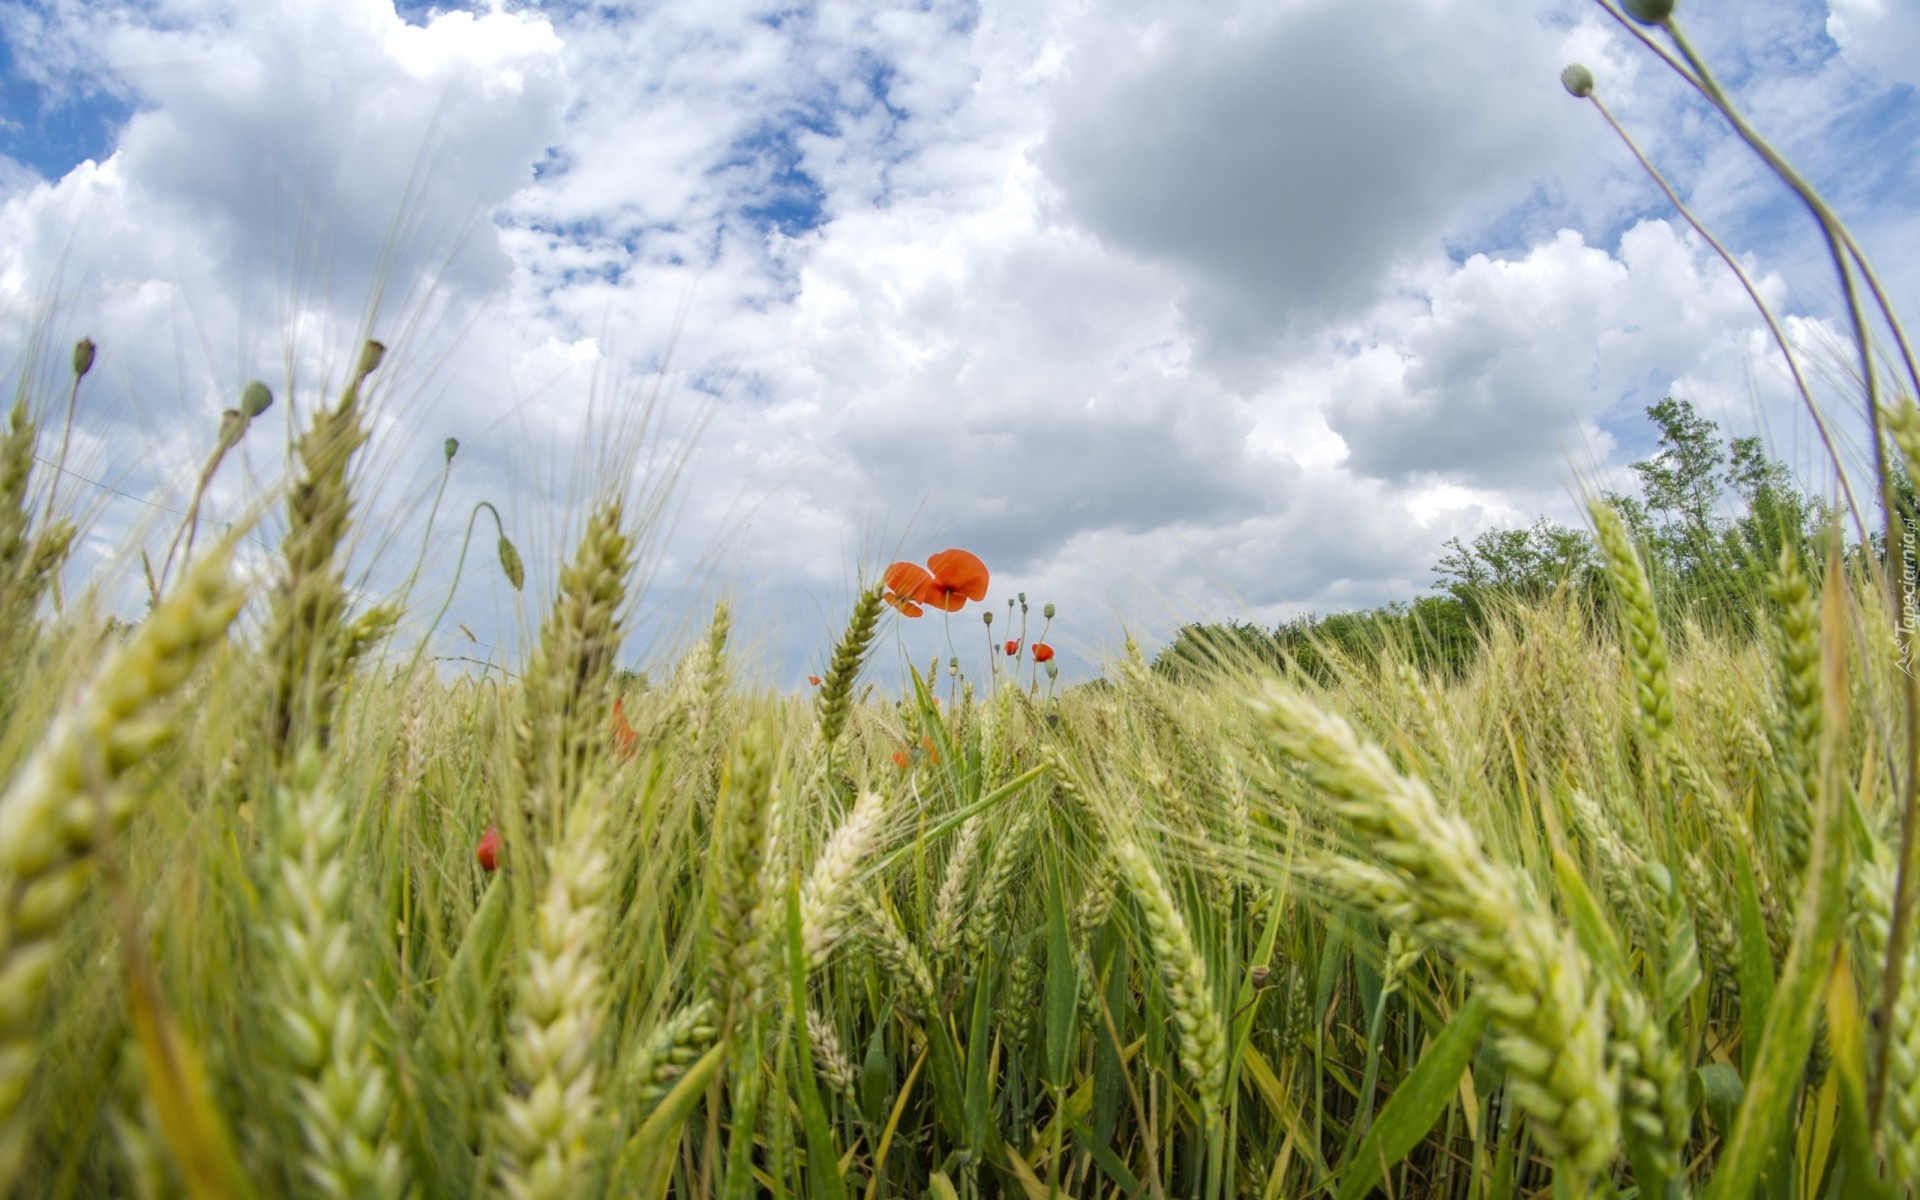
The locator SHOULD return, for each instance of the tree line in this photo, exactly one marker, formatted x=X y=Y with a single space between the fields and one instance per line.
x=1711 y=519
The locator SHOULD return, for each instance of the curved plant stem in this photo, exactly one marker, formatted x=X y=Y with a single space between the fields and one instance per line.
x=458 y=566
x=1847 y=256
x=426 y=538
x=1753 y=294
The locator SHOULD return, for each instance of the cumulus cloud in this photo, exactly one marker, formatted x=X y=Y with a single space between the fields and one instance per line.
x=1499 y=382
x=1238 y=309
x=1292 y=157
x=1882 y=34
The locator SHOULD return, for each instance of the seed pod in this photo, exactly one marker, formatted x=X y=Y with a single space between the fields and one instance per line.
x=1649 y=12
x=255 y=399
x=370 y=356
x=82 y=357
x=1577 y=80
x=510 y=562
x=452 y=447
x=1046 y=610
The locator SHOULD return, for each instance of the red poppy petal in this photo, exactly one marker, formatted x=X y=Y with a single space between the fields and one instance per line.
x=945 y=601
x=900 y=759
x=488 y=851
x=1042 y=652
x=960 y=571
x=909 y=580
x=907 y=607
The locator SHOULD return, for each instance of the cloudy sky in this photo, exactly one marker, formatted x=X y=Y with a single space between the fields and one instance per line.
x=1214 y=310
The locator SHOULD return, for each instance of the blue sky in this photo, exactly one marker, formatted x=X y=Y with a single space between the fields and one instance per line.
x=1228 y=311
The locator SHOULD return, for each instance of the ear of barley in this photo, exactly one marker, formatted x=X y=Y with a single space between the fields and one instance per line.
x=1202 y=1036
x=341 y=1092
x=950 y=906
x=1549 y=1009
x=896 y=951
x=1653 y=1083
x=709 y=683
x=664 y=1056
x=30 y=561
x=562 y=730
x=1620 y=866
x=1872 y=887
x=830 y=1060
x=827 y=891
x=1901 y=420
x=736 y=866
x=548 y=1129
x=990 y=903
x=836 y=688
x=50 y=814
x=1646 y=645
x=16 y=471
x=308 y=605
x=1797 y=667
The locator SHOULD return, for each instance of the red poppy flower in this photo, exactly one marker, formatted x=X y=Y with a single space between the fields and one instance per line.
x=624 y=735
x=488 y=851
x=927 y=741
x=1042 y=652
x=814 y=680
x=947 y=582
x=905 y=583
x=1013 y=648
x=901 y=760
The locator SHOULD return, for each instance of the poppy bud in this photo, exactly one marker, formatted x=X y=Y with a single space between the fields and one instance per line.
x=1046 y=610
x=452 y=447
x=255 y=399
x=1577 y=80
x=511 y=564
x=1649 y=12
x=82 y=357
x=488 y=851
x=1023 y=597
x=987 y=616
x=370 y=356
x=1053 y=670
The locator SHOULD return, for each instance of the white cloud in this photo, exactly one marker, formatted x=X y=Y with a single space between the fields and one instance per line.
x=1292 y=158
x=1237 y=310
x=1884 y=34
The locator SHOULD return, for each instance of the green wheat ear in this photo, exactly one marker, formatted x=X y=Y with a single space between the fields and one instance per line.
x=79 y=783
x=307 y=612
x=836 y=690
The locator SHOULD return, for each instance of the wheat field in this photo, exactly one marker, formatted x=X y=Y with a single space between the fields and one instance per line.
x=289 y=915
x=1621 y=907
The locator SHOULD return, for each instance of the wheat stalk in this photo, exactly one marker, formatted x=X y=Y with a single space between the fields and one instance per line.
x=1196 y=1018
x=52 y=812
x=341 y=1090
x=1548 y=1009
